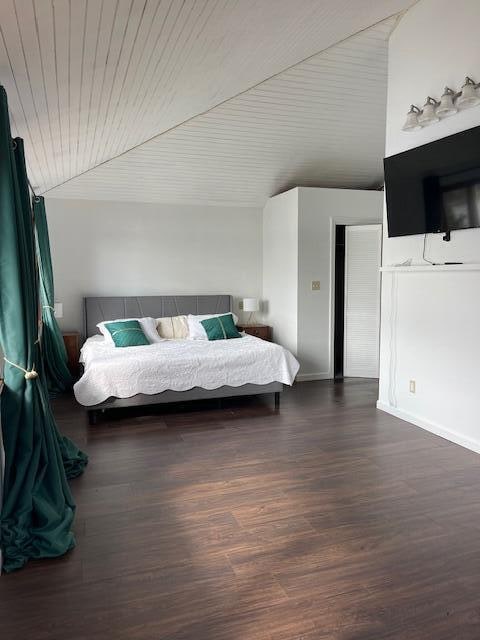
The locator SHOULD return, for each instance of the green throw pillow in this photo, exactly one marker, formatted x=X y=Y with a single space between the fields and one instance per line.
x=128 y=333
x=220 y=328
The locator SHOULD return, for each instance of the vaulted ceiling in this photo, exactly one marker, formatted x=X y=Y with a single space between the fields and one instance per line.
x=218 y=101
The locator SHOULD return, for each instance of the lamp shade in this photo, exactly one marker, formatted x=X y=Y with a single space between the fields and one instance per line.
x=58 y=309
x=250 y=304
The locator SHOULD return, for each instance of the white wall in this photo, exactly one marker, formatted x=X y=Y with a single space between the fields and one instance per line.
x=298 y=247
x=319 y=211
x=111 y=248
x=280 y=267
x=430 y=319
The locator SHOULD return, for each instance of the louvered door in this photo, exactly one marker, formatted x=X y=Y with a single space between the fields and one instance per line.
x=362 y=300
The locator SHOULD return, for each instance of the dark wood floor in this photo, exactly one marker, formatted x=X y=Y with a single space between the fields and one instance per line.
x=329 y=520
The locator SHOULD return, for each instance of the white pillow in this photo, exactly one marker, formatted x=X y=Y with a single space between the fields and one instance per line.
x=149 y=327
x=195 y=328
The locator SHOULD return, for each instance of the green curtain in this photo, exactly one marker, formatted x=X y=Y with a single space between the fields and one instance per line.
x=53 y=349
x=54 y=356
x=38 y=508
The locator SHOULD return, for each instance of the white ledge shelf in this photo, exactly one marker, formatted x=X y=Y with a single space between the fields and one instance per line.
x=432 y=267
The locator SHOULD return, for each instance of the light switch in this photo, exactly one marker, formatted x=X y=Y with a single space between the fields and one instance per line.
x=315 y=285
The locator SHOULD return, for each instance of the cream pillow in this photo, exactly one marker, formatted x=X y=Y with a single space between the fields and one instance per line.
x=174 y=328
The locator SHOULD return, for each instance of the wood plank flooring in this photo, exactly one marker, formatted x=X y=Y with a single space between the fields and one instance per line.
x=330 y=520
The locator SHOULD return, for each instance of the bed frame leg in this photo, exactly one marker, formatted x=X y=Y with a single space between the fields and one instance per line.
x=277 y=401
x=92 y=417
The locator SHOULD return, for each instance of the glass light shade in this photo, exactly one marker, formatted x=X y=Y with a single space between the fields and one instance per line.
x=250 y=304
x=411 y=123
x=428 y=115
x=446 y=107
x=468 y=96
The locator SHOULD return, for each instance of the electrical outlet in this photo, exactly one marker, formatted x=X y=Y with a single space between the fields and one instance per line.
x=315 y=285
x=413 y=386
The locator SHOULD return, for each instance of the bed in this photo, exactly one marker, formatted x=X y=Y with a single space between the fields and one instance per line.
x=174 y=370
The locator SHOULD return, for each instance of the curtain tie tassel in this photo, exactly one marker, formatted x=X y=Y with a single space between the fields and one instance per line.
x=29 y=375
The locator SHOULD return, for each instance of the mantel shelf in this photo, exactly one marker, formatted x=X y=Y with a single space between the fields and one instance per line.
x=432 y=267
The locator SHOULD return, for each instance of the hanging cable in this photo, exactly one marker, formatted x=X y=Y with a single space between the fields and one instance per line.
x=35 y=197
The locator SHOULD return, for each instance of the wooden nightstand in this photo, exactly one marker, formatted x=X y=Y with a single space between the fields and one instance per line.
x=72 y=345
x=262 y=331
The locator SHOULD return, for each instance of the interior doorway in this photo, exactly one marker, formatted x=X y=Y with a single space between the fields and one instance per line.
x=357 y=300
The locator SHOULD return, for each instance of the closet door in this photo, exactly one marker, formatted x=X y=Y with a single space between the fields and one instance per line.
x=363 y=245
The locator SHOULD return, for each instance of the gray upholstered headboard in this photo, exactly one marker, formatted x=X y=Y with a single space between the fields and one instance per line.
x=97 y=309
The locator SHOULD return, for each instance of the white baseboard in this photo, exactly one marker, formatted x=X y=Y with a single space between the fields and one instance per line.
x=308 y=377
x=443 y=432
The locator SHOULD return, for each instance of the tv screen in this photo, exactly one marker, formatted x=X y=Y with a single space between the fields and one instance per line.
x=436 y=187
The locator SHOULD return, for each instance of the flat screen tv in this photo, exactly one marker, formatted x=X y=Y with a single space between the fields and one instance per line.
x=434 y=188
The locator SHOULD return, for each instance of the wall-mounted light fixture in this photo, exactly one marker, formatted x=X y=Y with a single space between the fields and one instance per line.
x=449 y=104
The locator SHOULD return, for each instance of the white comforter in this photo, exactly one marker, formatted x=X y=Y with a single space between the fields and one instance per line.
x=179 y=365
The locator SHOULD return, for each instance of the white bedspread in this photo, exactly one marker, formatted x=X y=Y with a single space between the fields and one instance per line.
x=179 y=365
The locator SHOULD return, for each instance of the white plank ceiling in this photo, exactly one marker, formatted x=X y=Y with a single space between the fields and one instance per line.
x=90 y=81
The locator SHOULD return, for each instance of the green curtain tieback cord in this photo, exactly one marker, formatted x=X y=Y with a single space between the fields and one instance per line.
x=29 y=375
x=47 y=306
